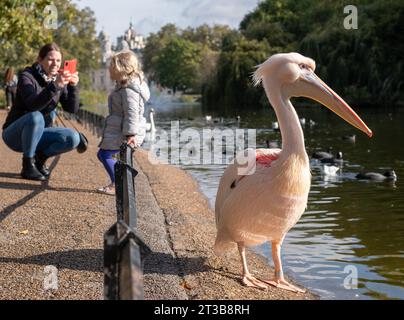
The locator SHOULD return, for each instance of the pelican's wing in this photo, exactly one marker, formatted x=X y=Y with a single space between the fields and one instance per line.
x=245 y=164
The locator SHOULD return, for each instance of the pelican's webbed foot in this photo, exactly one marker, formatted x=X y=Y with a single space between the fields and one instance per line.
x=283 y=284
x=250 y=281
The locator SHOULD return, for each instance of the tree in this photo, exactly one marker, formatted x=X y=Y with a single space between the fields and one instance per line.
x=178 y=63
x=202 y=44
x=154 y=44
x=76 y=35
x=23 y=33
x=363 y=65
x=21 y=30
x=231 y=86
x=210 y=37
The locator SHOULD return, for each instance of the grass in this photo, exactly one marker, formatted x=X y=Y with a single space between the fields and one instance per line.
x=93 y=98
x=2 y=99
x=87 y=98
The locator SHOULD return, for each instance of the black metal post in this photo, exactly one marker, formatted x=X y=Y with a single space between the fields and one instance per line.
x=124 y=248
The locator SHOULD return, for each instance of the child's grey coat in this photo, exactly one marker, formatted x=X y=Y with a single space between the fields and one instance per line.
x=125 y=118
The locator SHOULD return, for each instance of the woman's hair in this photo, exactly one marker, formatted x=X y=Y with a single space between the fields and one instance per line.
x=127 y=66
x=43 y=52
x=9 y=75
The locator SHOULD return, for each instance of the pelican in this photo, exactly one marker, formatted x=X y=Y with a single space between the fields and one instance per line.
x=262 y=203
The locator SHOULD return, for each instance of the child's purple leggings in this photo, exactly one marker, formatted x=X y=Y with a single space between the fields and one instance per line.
x=105 y=156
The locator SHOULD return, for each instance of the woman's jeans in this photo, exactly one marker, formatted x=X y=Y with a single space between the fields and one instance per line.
x=28 y=135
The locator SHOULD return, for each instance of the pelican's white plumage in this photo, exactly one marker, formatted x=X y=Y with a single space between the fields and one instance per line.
x=265 y=200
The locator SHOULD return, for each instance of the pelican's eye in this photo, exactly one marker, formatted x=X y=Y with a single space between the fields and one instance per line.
x=303 y=66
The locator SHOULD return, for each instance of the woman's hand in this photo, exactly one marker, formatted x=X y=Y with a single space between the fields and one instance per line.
x=131 y=140
x=62 y=79
x=74 y=79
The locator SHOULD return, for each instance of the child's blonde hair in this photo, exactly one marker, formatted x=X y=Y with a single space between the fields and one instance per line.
x=127 y=66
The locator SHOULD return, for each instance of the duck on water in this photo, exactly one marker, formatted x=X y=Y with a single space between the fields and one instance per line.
x=389 y=175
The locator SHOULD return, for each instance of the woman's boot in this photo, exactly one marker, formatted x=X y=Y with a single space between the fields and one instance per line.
x=40 y=160
x=30 y=171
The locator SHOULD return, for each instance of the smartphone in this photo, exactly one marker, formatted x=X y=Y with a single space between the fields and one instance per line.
x=70 y=65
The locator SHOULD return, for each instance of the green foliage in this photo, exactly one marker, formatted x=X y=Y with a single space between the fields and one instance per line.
x=364 y=65
x=2 y=99
x=22 y=34
x=93 y=98
x=21 y=30
x=232 y=85
x=183 y=59
x=209 y=37
x=177 y=63
x=156 y=43
x=76 y=36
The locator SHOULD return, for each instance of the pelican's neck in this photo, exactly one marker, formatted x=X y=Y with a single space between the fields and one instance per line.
x=291 y=130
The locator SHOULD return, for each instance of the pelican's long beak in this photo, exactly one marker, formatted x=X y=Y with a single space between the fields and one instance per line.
x=314 y=88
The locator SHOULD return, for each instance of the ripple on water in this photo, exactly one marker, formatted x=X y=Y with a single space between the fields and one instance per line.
x=322 y=202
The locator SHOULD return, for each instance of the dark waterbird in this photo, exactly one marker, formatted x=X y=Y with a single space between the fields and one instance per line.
x=323 y=154
x=389 y=175
x=349 y=138
x=334 y=161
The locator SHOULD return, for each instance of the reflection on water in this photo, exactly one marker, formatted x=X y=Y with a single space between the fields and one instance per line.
x=349 y=225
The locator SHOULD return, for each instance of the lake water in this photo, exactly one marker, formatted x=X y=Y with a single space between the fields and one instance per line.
x=351 y=229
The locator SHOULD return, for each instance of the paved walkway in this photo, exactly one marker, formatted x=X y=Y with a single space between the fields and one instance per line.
x=58 y=223
x=61 y=222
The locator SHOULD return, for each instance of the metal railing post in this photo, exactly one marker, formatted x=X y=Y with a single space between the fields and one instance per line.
x=124 y=248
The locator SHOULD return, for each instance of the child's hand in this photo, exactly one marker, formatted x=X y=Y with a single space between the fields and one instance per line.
x=131 y=140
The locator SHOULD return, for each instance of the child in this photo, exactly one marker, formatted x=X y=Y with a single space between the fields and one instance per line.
x=125 y=121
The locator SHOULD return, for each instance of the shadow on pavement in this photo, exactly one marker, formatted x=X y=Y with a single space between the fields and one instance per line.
x=163 y=263
x=83 y=259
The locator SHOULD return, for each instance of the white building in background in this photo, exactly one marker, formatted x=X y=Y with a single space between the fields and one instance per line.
x=129 y=41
